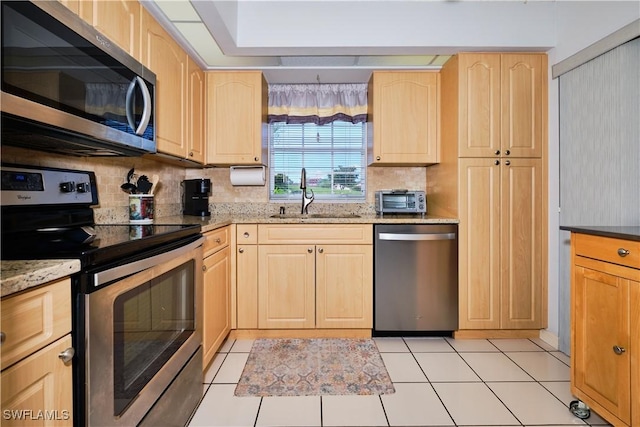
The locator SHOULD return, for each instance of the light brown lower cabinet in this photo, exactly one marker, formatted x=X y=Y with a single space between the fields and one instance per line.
x=36 y=374
x=305 y=276
x=605 y=325
x=216 y=316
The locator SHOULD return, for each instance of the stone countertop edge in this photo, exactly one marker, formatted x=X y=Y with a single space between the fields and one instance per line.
x=216 y=221
x=25 y=274
x=20 y=275
x=631 y=232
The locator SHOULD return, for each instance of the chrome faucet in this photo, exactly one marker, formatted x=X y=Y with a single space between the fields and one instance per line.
x=306 y=201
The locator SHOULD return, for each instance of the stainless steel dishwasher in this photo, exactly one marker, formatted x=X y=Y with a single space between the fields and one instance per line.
x=416 y=278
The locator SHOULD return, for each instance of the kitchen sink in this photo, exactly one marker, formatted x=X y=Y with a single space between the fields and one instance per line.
x=320 y=215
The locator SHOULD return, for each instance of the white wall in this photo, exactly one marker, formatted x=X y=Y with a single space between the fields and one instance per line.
x=579 y=24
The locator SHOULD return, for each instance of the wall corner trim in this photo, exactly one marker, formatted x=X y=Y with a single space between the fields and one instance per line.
x=613 y=40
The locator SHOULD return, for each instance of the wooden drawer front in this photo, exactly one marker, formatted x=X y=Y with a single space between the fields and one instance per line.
x=315 y=233
x=34 y=319
x=606 y=249
x=215 y=240
x=247 y=234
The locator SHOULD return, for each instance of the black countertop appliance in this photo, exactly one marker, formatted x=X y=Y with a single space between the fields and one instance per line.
x=195 y=198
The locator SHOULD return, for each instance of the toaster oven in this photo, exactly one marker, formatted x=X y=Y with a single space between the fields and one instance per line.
x=400 y=201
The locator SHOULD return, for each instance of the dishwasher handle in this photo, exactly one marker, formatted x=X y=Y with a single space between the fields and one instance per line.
x=416 y=236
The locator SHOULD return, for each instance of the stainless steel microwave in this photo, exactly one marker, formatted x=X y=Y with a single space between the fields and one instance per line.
x=67 y=89
x=400 y=201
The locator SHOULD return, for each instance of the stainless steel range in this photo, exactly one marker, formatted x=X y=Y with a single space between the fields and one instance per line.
x=137 y=306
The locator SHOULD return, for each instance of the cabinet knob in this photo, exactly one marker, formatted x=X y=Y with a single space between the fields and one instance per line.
x=618 y=350
x=623 y=252
x=257 y=159
x=310 y=250
x=3 y=337
x=508 y=162
x=507 y=152
x=321 y=250
x=67 y=355
x=497 y=152
x=246 y=234
x=218 y=240
x=377 y=157
x=204 y=268
x=190 y=153
x=497 y=162
x=241 y=250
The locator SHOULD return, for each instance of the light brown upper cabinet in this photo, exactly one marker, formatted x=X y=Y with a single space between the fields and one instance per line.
x=502 y=103
x=236 y=118
x=195 y=113
x=117 y=19
x=162 y=55
x=403 y=118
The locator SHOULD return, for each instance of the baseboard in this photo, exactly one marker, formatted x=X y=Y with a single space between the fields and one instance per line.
x=495 y=333
x=299 y=333
x=552 y=339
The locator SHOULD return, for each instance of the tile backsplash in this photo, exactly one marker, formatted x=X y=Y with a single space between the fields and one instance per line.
x=224 y=198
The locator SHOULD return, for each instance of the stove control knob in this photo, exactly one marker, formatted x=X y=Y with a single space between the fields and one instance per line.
x=83 y=187
x=67 y=187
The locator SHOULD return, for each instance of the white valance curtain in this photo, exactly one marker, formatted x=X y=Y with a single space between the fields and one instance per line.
x=317 y=103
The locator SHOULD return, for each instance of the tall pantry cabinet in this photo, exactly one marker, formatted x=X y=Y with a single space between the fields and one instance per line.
x=492 y=176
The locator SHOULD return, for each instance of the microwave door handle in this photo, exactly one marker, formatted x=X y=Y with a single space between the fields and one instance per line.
x=409 y=237
x=146 y=112
x=129 y=104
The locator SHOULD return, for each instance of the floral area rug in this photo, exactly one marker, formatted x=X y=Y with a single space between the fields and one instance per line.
x=312 y=367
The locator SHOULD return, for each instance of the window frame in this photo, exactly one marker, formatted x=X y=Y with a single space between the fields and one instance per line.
x=309 y=147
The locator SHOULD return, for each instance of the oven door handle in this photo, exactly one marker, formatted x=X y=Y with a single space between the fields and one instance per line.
x=121 y=271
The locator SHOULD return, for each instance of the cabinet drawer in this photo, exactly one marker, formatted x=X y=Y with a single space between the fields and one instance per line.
x=608 y=249
x=34 y=319
x=215 y=240
x=315 y=233
x=247 y=234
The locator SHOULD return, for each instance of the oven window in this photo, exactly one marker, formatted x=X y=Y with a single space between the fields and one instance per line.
x=150 y=323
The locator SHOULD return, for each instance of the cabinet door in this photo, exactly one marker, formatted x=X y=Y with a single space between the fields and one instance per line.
x=247 y=286
x=479 y=105
x=119 y=20
x=195 y=113
x=41 y=384
x=344 y=286
x=479 y=244
x=163 y=56
x=521 y=243
x=236 y=112
x=286 y=286
x=524 y=87
x=600 y=322
x=634 y=305
x=217 y=303
x=405 y=118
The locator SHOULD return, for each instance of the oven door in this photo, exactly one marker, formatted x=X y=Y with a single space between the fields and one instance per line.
x=140 y=331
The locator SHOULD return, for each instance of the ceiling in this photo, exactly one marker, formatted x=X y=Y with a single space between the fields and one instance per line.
x=342 y=41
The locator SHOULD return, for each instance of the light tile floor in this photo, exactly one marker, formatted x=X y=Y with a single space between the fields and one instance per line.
x=438 y=382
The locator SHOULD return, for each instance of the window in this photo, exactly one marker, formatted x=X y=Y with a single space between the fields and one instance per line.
x=333 y=156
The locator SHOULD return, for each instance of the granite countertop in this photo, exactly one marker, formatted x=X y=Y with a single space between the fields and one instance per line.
x=617 y=232
x=21 y=275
